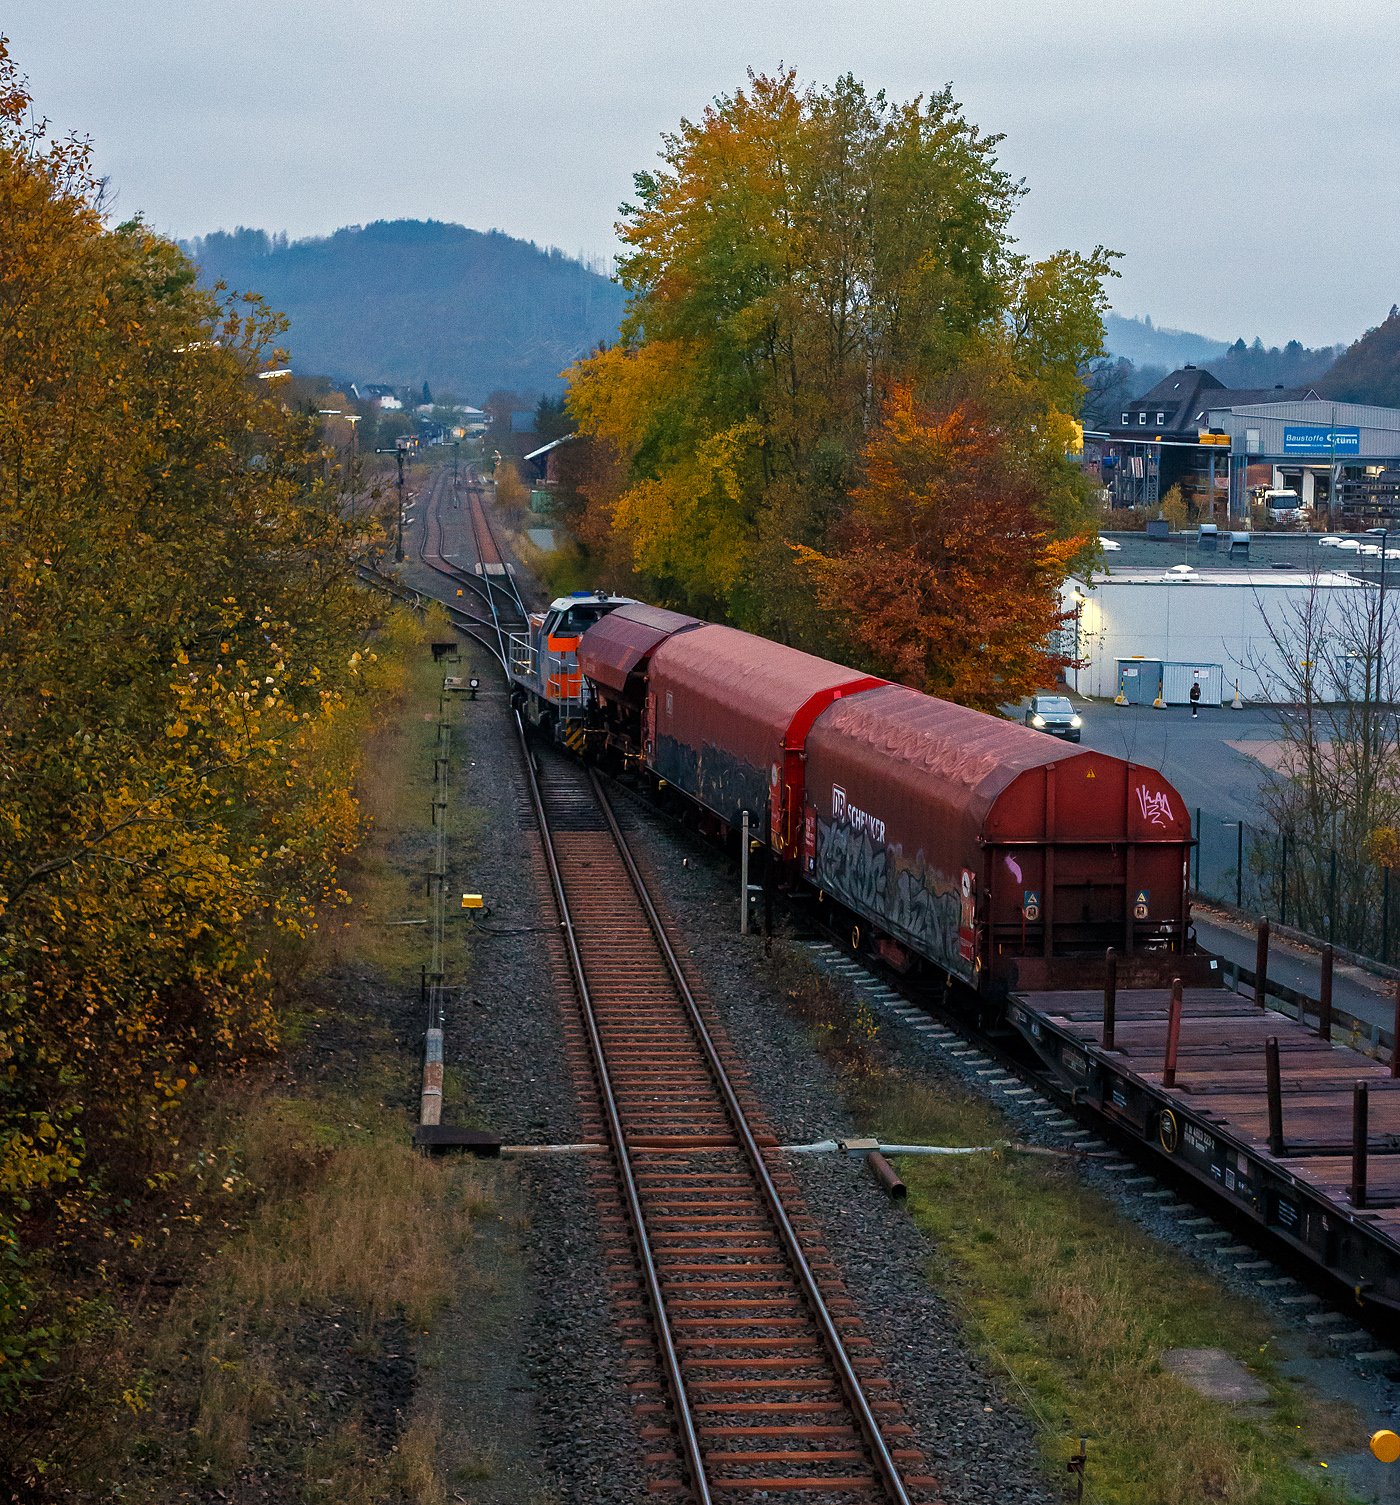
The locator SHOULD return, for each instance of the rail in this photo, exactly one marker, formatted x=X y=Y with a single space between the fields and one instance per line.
x=690 y=1441
x=836 y=1349
x=626 y=1110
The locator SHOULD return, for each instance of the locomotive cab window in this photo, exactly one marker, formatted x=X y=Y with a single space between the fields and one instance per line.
x=577 y=620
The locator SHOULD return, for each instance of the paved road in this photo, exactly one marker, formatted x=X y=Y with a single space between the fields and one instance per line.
x=1214 y=779
x=1370 y=998
x=1194 y=754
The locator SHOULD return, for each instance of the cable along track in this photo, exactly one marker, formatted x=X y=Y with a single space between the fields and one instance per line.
x=766 y=1381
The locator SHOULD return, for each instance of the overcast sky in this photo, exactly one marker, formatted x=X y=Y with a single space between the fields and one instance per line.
x=1241 y=156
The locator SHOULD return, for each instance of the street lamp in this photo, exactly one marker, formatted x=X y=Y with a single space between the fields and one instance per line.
x=1380 y=621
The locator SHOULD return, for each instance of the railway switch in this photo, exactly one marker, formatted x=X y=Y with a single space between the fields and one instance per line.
x=471 y=901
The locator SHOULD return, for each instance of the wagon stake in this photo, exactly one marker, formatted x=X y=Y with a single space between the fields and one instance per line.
x=1110 y=996
x=1324 y=1006
x=1359 y=1131
x=1395 y=1035
x=1261 y=963
x=1173 y=1035
x=1275 y=1089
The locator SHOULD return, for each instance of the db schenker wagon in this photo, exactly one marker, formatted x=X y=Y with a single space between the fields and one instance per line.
x=938 y=833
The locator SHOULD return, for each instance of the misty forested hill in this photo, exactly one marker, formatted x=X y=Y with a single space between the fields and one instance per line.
x=1369 y=371
x=408 y=301
x=1144 y=344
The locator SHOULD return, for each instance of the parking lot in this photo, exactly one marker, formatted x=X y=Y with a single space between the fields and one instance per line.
x=1195 y=754
x=1215 y=778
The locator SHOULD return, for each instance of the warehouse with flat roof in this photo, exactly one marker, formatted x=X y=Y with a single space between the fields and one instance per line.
x=1197 y=622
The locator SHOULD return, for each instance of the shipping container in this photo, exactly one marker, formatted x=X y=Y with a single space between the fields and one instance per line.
x=726 y=717
x=1139 y=680
x=999 y=854
x=1177 y=680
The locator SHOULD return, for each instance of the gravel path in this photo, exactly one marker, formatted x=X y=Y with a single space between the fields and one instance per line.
x=979 y=1446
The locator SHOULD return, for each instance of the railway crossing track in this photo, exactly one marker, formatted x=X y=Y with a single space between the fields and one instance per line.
x=751 y=1372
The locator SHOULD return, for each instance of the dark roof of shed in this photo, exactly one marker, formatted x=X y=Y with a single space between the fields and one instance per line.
x=1138 y=552
x=1187 y=395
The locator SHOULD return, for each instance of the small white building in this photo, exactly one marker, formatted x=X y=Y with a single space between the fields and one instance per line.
x=376 y=395
x=1181 y=615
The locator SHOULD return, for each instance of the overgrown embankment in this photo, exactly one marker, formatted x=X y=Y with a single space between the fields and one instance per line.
x=256 y=1322
x=190 y=677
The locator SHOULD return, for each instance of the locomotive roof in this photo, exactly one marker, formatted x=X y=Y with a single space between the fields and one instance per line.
x=589 y=598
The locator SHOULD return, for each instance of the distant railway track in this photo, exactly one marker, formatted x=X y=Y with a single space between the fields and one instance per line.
x=492 y=587
x=477 y=628
x=751 y=1373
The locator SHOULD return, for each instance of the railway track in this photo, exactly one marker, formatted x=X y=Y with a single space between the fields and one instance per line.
x=494 y=594
x=751 y=1374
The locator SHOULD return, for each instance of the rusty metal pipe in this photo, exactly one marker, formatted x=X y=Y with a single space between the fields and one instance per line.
x=1261 y=962
x=1173 y=1035
x=1110 y=997
x=887 y=1176
x=1360 y=1132
x=1324 y=1003
x=1275 y=1089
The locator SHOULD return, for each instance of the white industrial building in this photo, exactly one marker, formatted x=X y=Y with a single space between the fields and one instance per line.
x=1181 y=624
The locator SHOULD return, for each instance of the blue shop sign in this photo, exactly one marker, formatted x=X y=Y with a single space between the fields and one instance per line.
x=1318 y=439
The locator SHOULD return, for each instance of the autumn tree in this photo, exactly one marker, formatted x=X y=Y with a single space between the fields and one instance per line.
x=944 y=570
x=182 y=655
x=800 y=251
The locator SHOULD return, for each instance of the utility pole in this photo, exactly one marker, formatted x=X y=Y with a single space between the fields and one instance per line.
x=398 y=553
x=1380 y=644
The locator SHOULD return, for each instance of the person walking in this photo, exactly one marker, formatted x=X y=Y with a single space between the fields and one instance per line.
x=1195 y=695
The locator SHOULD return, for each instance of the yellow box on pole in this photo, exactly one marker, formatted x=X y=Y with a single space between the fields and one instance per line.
x=471 y=901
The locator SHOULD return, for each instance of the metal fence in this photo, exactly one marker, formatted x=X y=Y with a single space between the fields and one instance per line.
x=1337 y=896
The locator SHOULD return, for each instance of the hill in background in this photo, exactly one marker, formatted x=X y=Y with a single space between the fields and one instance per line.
x=1144 y=344
x=1369 y=371
x=408 y=301
x=1141 y=354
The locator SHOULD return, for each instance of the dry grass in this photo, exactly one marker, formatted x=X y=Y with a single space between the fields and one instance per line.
x=842 y=1024
x=370 y=1232
x=394 y=787
x=380 y=1229
x=1075 y=1306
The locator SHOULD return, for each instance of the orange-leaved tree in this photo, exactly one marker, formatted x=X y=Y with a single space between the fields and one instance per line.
x=944 y=569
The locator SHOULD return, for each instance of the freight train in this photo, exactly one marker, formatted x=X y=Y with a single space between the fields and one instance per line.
x=951 y=842
x=932 y=835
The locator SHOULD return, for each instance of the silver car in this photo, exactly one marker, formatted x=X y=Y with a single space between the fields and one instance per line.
x=1054 y=714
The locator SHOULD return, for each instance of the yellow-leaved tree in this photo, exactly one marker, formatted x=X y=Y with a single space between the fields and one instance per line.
x=800 y=252
x=181 y=646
